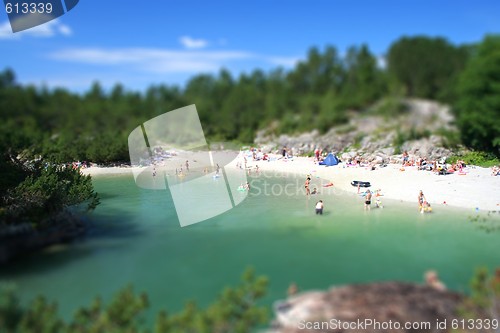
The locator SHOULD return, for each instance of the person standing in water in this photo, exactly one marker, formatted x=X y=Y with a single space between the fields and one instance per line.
x=421 y=199
x=306 y=186
x=187 y=166
x=368 y=200
x=319 y=207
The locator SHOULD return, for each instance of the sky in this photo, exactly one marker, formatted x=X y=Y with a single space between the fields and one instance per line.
x=141 y=43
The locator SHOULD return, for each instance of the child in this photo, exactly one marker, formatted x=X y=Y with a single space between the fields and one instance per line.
x=319 y=207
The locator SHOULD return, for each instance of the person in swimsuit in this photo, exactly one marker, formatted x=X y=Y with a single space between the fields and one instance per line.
x=306 y=186
x=319 y=207
x=368 y=199
x=421 y=199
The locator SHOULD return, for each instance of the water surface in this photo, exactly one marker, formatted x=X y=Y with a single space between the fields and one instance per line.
x=136 y=238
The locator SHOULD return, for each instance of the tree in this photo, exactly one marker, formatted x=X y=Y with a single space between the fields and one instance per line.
x=364 y=81
x=424 y=66
x=478 y=105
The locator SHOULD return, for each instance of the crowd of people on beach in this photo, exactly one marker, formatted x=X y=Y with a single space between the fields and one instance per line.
x=369 y=197
x=438 y=166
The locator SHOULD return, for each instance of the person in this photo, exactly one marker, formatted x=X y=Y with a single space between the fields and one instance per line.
x=293 y=289
x=247 y=186
x=432 y=280
x=316 y=153
x=421 y=199
x=378 y=202
x=187 y=166
x=218 y=169
x=319 y=207
x=314 y=191
x=495 y=171
x=405 y=157
x=368 y=200
x=306 y=185
x=284 y=152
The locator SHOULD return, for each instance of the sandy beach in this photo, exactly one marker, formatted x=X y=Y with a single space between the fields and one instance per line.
x=476 y=190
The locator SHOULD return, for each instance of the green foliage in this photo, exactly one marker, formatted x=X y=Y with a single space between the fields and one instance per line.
x=235 y=310
x=10 y=309
x=475 y=158
x=426 y=67
x=404 y=135
x=122 y=314
x=484 y=301
x=478 y=105
x=48 y=190
x=488 y=223
x=450 y=138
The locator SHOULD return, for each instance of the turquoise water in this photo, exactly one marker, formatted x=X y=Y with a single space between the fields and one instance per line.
x=136 y=238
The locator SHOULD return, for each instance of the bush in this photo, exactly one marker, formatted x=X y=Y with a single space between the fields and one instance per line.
x=475 y=158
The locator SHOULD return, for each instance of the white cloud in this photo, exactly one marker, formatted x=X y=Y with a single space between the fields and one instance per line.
x=152 y=60
x=165 y=60
x=191 y=43
x=46 y=30
x=139 y=67
x=283 y=61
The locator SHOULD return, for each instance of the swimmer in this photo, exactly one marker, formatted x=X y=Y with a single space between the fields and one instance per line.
x=319 y=207
x=306 y=185
x=421 y=199
x=378 y=202
x=432 y=280
x=368 y=200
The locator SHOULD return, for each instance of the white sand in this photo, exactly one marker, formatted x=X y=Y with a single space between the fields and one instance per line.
x=477 y=189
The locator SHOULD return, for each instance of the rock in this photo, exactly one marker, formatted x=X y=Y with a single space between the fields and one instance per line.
x=396 y=301
x=374 y=136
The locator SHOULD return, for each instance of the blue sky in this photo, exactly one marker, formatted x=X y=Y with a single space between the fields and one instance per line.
x=139 y=43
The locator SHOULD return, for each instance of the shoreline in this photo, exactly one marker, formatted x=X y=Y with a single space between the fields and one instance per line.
x=477 y=190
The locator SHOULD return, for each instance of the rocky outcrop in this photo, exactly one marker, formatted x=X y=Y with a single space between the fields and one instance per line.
x=374 y=137
x=24 y=238
x=396 y=302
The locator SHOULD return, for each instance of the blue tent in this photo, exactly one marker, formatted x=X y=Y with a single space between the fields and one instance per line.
x=330 y=160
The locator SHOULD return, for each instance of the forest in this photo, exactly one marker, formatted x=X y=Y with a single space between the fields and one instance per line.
x=319 y=92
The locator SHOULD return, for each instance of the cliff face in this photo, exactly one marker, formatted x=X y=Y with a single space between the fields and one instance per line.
x=379 y=302
x=423 y=129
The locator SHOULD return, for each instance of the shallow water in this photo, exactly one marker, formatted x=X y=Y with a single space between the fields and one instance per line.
x=136 y=238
